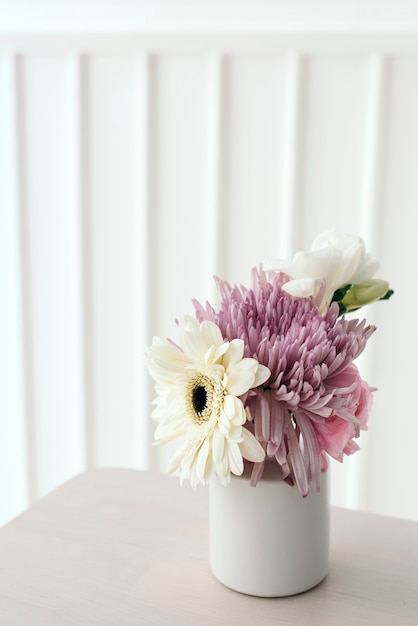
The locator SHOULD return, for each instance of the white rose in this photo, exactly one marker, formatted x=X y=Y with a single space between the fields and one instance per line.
x=334 y=260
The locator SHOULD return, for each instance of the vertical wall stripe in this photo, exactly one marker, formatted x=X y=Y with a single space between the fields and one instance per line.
x=78 y=203
x=152 y=192
x=289 y=197
x=144 y=299
x=26 y=281
x=215 y=162
x=373 y=148
x=13 y=457
x=357 y=487
x=150 y=197
x=81 y=102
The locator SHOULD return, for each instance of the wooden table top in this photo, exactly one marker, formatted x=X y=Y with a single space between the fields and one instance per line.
x=121 y=547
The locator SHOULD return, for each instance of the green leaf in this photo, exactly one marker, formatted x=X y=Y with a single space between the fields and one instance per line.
x=340 y=293
x=388 y=294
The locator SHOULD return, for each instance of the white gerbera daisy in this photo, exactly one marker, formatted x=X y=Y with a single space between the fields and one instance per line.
x=198 y=388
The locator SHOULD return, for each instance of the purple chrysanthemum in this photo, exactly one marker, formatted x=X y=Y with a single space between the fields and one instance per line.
x=314 y=401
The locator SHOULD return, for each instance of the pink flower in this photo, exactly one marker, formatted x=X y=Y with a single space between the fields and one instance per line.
x=314 y=401
x=335 y=435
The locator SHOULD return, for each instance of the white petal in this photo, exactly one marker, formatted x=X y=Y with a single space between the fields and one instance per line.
x=236 y=463
x=302 y=287
x=202 y=462
x=202 y=343
x=367 y=271
x=164 y=360
x=315 y=264
x=251 y=449
x=331 y=237
x=191 y=339
x=355 y=264
x=233 y=354
x=336 y=258
x=351 y=263
x=211 y=333
x=261 y=375
x=241 y=377
x=166 y=431
x=224 y=477
x=235 y=432
x=218 y=446
x=214 y=355
x=216 y=346
x=177 y=459
x=188 y=464
x=233 y=411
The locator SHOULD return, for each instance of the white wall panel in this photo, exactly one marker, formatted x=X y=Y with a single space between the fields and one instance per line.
x=334 y=184
x=182 y=234
x=51 y=273
x=13 y=458
x=253 y=156
x=114 y=256
x=394 y=429
x=334 y=108
x=184 y=210
x=139 y=166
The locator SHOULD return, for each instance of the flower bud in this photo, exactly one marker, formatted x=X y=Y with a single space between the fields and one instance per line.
x=364 y=293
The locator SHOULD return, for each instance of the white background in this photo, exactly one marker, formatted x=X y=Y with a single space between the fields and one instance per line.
x=51 y=16
x=147 y=146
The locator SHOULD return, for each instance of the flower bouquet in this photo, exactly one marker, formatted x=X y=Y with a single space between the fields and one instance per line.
x=261 y=390
x=270 y=374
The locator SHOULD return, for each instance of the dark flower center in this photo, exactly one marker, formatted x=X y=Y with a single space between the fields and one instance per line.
x=199 y=399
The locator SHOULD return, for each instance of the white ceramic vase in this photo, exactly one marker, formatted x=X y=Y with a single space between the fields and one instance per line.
x=267 y=540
